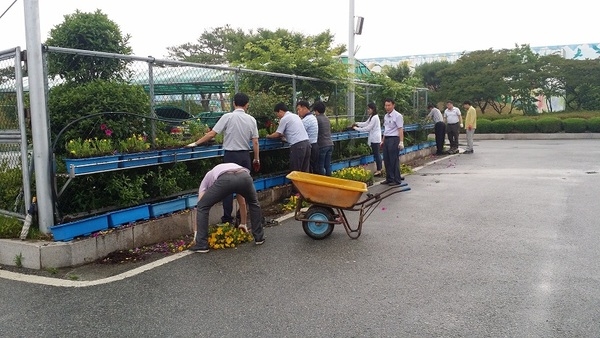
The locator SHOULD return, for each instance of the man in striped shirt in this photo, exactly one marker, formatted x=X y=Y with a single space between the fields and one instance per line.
x=312 y=129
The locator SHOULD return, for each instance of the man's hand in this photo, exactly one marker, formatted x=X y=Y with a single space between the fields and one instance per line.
x=256 y=165
x=355 y=128
x=461 y=125
x=470 y=127
x=191 y=145
x=401 y=145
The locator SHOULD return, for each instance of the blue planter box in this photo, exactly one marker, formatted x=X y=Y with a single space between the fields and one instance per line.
x=129 y=215
x=366 y=159
x=269 y=144
x=411 y=127
x=207 y=152
x=174 y=155
x=191 y=201
x=338 y=165
x=84 y=227
x=274 y=181
x=78 y=166
x=354 y=162
x=411 y=149
x=259 y=184
x=167 y=207
x=139 y=159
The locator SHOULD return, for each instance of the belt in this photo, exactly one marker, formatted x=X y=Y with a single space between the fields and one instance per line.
x=235 y=151
x=453 y=123
x=234 y=172
x=390 y=136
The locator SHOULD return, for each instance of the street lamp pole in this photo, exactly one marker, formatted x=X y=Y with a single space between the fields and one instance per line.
x=39 y=117
x=351 y=70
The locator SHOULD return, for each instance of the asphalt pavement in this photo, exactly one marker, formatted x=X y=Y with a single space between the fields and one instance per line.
x=499 y=243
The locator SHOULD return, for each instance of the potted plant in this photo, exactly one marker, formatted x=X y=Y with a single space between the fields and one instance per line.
x=134 y=149
x=90 y=155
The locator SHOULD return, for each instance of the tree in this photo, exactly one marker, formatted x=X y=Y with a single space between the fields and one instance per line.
x=398 y=73
x=429 y=74
x=88 y=31
x=214 y=46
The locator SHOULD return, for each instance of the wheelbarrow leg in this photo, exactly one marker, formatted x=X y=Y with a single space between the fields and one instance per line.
x=352 y=233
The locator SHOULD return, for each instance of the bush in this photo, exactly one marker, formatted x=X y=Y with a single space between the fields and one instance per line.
x=484 y=126
x=10 y=227
x=549 y=125
x=593 y=124
x=574 y=125
x=525 y=126
x=502 y=126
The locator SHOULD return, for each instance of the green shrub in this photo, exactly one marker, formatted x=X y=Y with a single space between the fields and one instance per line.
x=484 y=126
x=502 y=126
x=10 y=184
x=593 y=124
x=574 y=125
x=525 y=126
x=10 y=227
x=549 y=125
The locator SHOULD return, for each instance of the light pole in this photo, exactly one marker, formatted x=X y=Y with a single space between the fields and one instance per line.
x=39 y=117
x=351 y=69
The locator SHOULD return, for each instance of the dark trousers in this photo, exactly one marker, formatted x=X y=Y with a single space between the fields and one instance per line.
x=376 y=155
x=229 y=184
x=325 y=160
x=242 y=158
x=440 y=135
x=300 y=156
x=391 y=159
x=314 y=158
x=452 y=129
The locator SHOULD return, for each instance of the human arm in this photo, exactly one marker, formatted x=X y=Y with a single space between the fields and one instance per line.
x=365 y=126
x=275 y=135
x=243 y=209
x=208 y=136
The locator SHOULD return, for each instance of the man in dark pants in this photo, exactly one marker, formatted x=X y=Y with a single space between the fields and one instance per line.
x=223 y=180
x=238 y=129
x=393 y=140
x=454 y=120
x=439 y=127
x=292 y=128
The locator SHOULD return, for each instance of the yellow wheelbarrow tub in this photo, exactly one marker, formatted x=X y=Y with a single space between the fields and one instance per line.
x=326 y=190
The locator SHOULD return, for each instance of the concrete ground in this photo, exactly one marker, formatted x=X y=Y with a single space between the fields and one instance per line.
x=503 y=242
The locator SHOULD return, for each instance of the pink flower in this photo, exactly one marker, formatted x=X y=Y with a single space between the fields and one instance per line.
x=103 y=126
x=108 y=132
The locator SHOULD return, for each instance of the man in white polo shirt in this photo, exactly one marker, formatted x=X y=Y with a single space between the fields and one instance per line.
x=238 y=128
x=292 y=128
x=312 y=129
x=393 y=141
x=454 y=120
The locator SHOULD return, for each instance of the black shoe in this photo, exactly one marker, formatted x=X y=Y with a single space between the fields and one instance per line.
x=468 y=152
x=401 y=178
x=259 y=242
x=386 y=182
x=198 y=249
x=394 y=184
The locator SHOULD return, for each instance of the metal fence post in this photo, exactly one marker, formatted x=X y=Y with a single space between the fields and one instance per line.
x=152 y=102
x=23 y=128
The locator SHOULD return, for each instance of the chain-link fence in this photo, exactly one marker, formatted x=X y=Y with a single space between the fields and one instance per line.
x=14 y=168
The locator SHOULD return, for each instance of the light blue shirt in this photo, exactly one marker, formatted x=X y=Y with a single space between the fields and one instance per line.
x=312 y=127
x=392 y=122
x=238 y=128
x=292 y=128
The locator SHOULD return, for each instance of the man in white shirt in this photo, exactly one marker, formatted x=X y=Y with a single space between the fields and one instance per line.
x=312 y=129
x=393 y=141
x=223 y=180
x=237 y=128
x=454 y=120
x=292 y=128
x=439 y=127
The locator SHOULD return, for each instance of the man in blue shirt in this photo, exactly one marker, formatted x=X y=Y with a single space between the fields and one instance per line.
x=292 y=128
x=393 y=140
x=312 y=129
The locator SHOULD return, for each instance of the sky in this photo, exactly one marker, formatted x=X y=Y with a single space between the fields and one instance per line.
x=391 y=28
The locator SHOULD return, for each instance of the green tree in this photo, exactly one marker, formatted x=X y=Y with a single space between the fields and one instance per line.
x=88 y=31
x=397 y=73
x=216 y=46
x=581 y=84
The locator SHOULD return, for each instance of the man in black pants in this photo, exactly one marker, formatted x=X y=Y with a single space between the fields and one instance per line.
x=439 y=127
x=393 y=141
x=454 y=120
x=238 y=129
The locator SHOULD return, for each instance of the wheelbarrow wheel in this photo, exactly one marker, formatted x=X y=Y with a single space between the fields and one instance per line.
x=316 y=228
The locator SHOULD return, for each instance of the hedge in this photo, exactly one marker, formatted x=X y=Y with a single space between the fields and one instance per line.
x=574 y=125
x=549 y=125
x=484 y=126
x=503 y=126
x=525 y=126
x=593 y=124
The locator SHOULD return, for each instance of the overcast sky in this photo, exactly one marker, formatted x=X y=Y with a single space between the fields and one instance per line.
x=391 y=28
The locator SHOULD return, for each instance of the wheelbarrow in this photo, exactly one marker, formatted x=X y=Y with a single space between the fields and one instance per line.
x=329 y=198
